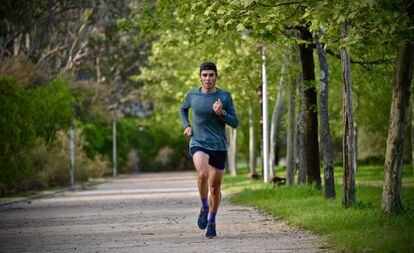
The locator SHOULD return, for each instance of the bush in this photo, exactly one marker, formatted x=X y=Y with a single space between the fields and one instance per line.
x=51 y=162
x=17 y=134
x=52 y=108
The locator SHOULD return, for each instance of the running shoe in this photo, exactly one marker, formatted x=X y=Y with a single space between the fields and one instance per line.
x=202 y=219
x=211 y=230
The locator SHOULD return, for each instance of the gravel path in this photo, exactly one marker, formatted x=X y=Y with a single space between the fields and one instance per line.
x=141 y=213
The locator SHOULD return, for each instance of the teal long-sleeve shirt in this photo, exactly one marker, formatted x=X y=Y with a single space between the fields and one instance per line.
x=208 y=127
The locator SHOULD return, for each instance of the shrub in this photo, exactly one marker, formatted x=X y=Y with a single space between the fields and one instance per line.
x=17 y=134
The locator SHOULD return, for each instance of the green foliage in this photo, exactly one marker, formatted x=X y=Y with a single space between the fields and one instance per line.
x=51 y=108
x=365 y=229
x=51 y=163
x=145 y=136
x=17 y=133
x=26 y=115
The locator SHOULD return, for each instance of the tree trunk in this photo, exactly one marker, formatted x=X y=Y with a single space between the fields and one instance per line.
x=276 y=115
x=393 y=169
x=355 y=146
x=98 y=70
x=252 y=146
x=72 y=154
x=326 y=142
x=301 y=140
x=231 y=151
x=348 y=124
x=311 y=129
x=259 y=96
x=291 y=134
x=114 y=170
x=412 y=133
x=265 y=117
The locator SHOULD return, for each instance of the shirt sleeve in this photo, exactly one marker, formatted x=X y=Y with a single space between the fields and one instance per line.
x=230 y=118
x=184 y=111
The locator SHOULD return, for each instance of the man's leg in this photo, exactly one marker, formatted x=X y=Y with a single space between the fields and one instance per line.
x=215 y=178
x=200 y=160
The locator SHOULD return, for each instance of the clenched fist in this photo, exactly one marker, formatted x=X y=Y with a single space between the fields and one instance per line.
x=188 y=132
x=218 y=107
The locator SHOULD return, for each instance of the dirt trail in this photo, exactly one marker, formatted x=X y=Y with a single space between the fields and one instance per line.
x=141 y=213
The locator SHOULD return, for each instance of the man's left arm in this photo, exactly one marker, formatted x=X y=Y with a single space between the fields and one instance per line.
x=229 y=113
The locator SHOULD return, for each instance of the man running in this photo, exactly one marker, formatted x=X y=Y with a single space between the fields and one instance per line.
x=212 y=108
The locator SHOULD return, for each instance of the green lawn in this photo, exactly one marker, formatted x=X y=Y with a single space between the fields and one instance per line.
x=360 y=228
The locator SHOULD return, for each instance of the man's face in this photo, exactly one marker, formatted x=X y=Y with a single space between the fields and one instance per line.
x=208 y=79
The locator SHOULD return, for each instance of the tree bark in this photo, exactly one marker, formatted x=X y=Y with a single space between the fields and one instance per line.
x=348 y=124
x=291 y=134
x=391 y=194
x=231 y=151
x=252 y=140
x=326 y=142
x=114 y=169
x=311 y=129
x=301 y=139
x=276 y=115
x=265 y=119
x=412 y=133
x=72 y=154
x=260 y=101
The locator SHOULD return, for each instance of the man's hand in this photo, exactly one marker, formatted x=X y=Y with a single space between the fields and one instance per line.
x=188 y=132
x=218 y=107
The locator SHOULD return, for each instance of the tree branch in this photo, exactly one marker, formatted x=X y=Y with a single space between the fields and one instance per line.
x=281 y=4
x=365 y=64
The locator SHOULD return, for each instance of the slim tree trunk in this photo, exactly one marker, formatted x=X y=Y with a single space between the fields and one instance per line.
x=260 y=97
x=355 y=146
x=252 y=150
x=72 y=154
x=348 y=124
x=393 y=169
x=114 y=170
x=276 y=115
x=231 y=151
x=265 y=117
x=311 y=129
x=291 y=134
x=301 y=140
x=98 y=70
x=326 y=142
x=412 y=133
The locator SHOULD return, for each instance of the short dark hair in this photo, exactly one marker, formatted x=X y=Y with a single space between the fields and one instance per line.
x=208 y=66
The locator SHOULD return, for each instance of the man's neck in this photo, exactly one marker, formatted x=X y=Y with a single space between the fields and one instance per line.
x=212 y=90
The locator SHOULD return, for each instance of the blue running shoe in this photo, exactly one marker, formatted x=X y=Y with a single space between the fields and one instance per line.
x=211 y=230
x=202 y=219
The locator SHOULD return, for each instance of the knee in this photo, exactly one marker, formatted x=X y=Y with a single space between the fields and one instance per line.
x=203 y=177
x=215 y=189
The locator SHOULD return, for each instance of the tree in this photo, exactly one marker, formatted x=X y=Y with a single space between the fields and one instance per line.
x=393 y=168
x=348 y=123
x=326 y=142
x=17 y=133
x=291 y=133
x=311 y=126
x=275 y=123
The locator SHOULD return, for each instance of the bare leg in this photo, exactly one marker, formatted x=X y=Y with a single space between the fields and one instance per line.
x=215 y=178
x=200 y=160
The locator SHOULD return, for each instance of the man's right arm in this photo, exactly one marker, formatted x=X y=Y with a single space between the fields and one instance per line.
x=184 y=111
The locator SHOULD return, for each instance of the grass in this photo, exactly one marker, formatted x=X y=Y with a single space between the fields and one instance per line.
x=360 y=228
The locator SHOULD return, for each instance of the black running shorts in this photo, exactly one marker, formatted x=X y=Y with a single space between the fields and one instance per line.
x=216 y=159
